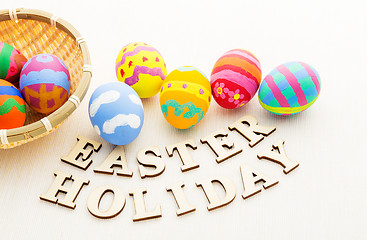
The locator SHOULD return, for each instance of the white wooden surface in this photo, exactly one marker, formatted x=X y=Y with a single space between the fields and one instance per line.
x=325 y=198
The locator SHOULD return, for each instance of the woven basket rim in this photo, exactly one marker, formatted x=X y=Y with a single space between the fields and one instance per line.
x=34 y=130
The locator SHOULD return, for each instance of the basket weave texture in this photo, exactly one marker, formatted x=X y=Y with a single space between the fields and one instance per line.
x=34 y=32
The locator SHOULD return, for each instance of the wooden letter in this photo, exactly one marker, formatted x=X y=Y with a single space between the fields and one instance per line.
x=96 y=196
x=183 y=205
x=247 y=126
x=70 y=192
x=181 y=148
x=250 y=177
x=277 y=154
x=153 y=161
x=140 y=210
x=211 y=194
x=218 y=147
x=117 y=158
x=80 y=150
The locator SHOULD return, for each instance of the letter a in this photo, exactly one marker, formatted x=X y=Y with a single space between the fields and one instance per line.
x=250 y=177
x=117 y=158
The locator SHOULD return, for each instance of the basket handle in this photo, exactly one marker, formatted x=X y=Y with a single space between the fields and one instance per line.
x=13 y=14
x=4 y=136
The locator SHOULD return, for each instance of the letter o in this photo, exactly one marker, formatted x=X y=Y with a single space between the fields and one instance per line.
x=96 y=196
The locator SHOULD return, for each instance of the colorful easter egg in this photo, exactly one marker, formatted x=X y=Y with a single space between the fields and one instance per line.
x=290 y=88
x=142 y=67
x=45 y=83
x=185 y=97
x=116 y=113
x=11 y=63
x=12 y=106
x=235 y=78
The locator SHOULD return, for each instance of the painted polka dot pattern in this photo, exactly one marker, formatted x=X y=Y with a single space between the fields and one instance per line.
x=185 y=97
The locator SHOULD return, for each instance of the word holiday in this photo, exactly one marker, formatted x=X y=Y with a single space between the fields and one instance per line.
x=151 y=165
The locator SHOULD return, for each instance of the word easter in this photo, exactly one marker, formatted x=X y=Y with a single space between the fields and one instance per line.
x=152 y=165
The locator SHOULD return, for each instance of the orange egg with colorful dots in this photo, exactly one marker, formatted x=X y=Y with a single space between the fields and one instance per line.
x=142 y=67
x=12 y=106
x=185 y=97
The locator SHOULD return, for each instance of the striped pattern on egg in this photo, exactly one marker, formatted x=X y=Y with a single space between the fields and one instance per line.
x=290 y=88
x=235 y=78
x=11 y=63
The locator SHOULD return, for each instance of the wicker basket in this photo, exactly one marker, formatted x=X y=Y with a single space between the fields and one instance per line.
x=33 y=32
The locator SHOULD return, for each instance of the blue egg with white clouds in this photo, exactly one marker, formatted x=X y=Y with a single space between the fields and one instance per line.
x=116 y=113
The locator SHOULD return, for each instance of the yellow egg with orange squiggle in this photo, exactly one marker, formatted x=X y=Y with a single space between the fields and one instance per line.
x=185 y=97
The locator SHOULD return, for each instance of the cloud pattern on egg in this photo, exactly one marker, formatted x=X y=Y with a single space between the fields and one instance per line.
x=104 y=98
x=110 y=125
x=135 y=99
x=96 y=128
x=131 y=120
x=116 y=113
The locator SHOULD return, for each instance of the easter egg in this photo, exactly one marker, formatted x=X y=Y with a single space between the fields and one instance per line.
x=290 y=88
x=185 y=97
x=235 y=78
x=11 y=63
x=12 y=106
x=45 y=83
x=142 y=67
x=116 y=113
